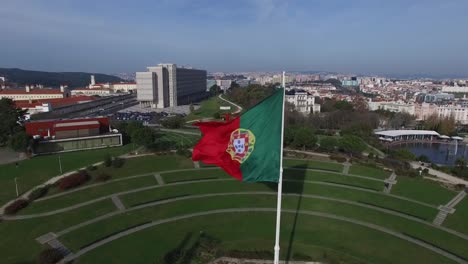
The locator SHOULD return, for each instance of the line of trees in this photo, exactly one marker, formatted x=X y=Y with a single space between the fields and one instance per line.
x=12 y=132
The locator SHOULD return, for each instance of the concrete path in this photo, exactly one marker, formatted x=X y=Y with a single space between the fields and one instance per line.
x=239 y=108
x=439 y=174
x=311 y=196
x=196 y=164
x=346 y=167
x=117 y=202
x=271 y=210
x=52 y=241
x=445 y=210
x=307 y=152
x=389 y=182
x=159 y=179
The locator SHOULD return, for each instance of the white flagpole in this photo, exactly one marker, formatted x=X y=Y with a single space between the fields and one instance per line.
x=280 y=182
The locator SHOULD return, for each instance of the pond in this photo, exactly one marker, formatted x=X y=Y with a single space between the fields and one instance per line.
x=439 y=153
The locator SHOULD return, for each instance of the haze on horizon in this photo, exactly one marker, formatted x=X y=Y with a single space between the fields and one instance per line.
x=364 y=36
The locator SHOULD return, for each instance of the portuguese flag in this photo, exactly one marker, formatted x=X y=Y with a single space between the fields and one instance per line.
x=247 y=147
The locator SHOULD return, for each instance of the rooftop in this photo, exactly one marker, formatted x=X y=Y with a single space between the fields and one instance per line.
x=397 y=133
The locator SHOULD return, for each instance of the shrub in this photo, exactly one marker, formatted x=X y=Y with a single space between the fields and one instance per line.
x=370 y=156
x=118 y=162
x=338 y=158
x=108 y=160
x=102 y=177
x=38 y=193
x=15 y=206
x=73 y=180
x=184 y=152
x=424 y=158
x=49 y=256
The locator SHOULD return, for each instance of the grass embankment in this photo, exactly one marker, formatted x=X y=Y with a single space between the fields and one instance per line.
x=96 y=231
x=134 y=166
x=255 y=231
x=38 y=170
x=18 y=237
x=312 y=164
x=369 y=171
x=207 y=109
x=459 y=220
x=422 y=190
x=299 y=175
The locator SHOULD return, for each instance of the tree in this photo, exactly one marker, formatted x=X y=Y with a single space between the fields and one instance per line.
x=143 y=136
x=304 y=138
x=328 y=144
x=173 y=122
x=10 y=119
x=19 y=141
x=352 y=144
x=215 y=90
x=461 y=163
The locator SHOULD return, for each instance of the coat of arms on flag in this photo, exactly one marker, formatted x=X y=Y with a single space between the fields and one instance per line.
x=241 y=144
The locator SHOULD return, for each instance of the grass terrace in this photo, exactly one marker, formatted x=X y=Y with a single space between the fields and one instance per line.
x=37 y=170
x=313 y=164
x=422 y=190
x=330 y=217
x=369 y=171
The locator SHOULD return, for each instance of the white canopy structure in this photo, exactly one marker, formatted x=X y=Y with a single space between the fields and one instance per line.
x=444 y=137
x=399 y=135
x=457 y=138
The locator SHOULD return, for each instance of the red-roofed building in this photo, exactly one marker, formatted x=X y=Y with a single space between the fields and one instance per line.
x=33 y=94
x=46 y=105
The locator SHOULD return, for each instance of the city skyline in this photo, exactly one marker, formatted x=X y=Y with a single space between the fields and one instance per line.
x=363 y=37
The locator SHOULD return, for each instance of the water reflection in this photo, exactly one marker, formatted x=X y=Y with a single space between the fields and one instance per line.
x=440 y=153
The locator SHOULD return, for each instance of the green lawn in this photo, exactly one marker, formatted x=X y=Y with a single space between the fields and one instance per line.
x=311 y=236
x=106 y=227
x=37 y=170
x=18 y=237
x=194 y=175
x=88 y=194
x=459 y=220
x=312 y=164
x=179 y=139
x=378 y=199
x=147 y=164
x=422 y=190
x=369 y=171
x=332 y=178
x=207 y=109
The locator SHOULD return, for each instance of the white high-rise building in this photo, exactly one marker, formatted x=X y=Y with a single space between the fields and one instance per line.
x=166 y=85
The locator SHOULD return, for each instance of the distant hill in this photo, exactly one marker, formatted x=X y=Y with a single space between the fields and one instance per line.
x=54 y=79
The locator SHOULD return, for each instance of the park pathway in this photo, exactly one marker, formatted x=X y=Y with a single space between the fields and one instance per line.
x=130 y=231
x=51 y=239
x=159 y=179
x=389 y=182
x=445 y=210
x=117 y=202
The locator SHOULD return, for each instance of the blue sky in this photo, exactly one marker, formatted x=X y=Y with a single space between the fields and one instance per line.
x=360 y=36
